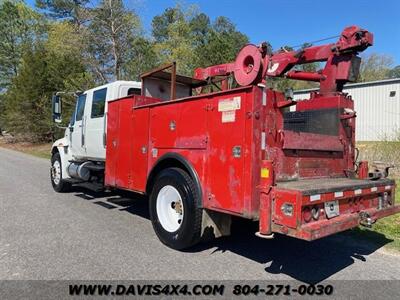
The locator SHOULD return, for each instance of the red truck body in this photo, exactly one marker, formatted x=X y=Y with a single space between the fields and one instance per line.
x=251 y=151
x=226 y=152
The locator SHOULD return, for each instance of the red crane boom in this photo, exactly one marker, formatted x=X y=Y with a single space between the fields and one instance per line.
x=254 y=63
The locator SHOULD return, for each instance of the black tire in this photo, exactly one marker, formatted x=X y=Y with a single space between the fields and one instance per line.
x=189 y=231
x=61 y=186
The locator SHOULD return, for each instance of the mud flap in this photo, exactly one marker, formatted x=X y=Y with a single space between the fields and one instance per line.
x=215 y=225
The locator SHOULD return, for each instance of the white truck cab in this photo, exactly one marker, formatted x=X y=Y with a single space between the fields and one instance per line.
x=82 y=151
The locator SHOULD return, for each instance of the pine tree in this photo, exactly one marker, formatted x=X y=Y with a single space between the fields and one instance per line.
x=111 y=32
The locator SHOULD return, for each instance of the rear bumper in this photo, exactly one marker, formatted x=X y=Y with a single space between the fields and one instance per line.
x=324 y=228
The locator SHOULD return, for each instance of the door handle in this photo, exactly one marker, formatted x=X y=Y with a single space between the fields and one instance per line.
x=83 y=126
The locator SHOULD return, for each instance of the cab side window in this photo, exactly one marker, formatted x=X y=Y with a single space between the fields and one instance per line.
x=99 y=102
x=80 y=107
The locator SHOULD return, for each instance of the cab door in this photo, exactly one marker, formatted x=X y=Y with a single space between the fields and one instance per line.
x=95 y=126
x=77 y=128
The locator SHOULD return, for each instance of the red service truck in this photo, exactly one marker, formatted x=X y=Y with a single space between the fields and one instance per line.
x=224 y=144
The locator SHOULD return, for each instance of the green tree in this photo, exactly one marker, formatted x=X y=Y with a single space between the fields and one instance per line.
x=187 y=37
x=27 y=100
x=64 y=39
x=112 y=31
x=222 y=43
x=142 y=58
x=161 y=23
x=66 y=44
x=174 y=39
x=18 y=28
x=2 y=114
x=395 y=72
x=76 y=11
x=200 y=28
x=375 y=67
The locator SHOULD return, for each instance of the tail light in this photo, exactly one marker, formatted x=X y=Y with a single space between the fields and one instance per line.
x=287 y=209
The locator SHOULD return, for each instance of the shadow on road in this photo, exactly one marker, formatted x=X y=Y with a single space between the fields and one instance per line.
x=309 y=262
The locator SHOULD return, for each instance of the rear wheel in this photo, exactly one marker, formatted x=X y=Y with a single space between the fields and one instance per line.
x=174 y=212
x=59 y=185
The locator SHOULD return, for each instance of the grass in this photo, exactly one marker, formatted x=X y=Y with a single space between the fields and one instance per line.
x=38 y=150
x=389 y=227
x=43 y=151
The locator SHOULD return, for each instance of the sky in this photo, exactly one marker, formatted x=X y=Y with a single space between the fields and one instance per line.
x=293 y=22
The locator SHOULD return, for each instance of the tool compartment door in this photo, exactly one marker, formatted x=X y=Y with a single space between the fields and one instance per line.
x=179 y=126
x=163 y=126
x=111 y=143
x=140 y=149
x=226 y=131
x=124 y=144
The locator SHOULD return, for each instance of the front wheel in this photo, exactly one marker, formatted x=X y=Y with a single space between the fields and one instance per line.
x=59 y=185
x=174 y=212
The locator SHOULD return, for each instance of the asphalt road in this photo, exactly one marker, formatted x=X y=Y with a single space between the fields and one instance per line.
x=89 y=235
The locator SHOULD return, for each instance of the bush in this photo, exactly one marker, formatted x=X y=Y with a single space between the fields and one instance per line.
x=381 y=151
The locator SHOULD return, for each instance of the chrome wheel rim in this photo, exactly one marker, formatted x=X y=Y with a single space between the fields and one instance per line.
x=56 y=172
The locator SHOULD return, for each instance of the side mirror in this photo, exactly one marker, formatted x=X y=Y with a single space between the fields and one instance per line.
x=56 y=108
